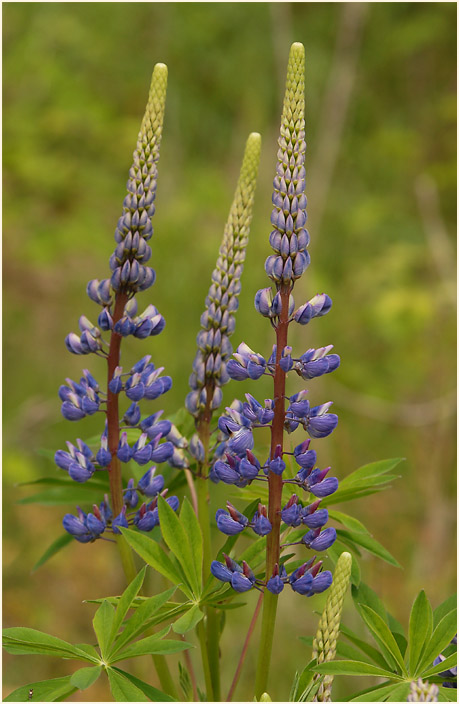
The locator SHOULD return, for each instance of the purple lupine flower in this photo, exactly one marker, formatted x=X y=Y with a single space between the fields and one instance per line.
x=120 y=521
x=314 y=363
x=277 y=464
x=246 y=364
x=232 y=521
x=319 y=540
x=260 y=522
x=131 y=497
x=276 y=583
x=151 y=484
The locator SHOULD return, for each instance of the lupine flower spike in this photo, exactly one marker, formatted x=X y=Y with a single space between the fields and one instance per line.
x=119 y=317
x=326 y=638
x=235 y=461
x=218 y=320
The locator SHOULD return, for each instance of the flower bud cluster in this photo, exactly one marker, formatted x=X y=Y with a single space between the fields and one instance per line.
x=134 y=228
x=289 y=238
x=218 y=320
x=306 y=580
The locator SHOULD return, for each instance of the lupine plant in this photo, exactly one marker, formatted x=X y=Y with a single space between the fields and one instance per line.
x=288 y=499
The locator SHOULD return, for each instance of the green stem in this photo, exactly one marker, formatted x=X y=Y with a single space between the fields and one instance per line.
x=201 y=631
x=266 y=642
x=212 y=617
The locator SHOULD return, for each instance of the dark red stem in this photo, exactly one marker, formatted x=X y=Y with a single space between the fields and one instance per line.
x=116 y=486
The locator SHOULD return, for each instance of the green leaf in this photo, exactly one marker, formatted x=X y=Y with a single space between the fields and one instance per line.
x=383 y=636
x=420 y=628
x=188 y=621
x=375 y=694
x=79 y=493
x=155 y=556
x=371 y=652
x=123 y=689
x=341 y=496
x=440 y=638
x=448 y=605
x=44 y=691
x=125 y=602
x=23 y=641
x=399 y=693
x=192 y=529
x=445 y=664
x=177 y=540
x=155 y=695
x=152 y=645
x=365 y=595
x=85 y=677
x=370 y=544
x=185 y=683
x=141 y=619
x=103 y=624
x=371 y=470
x=56 y=545
x=353 y=667
x=348 y=521
x=448 y=694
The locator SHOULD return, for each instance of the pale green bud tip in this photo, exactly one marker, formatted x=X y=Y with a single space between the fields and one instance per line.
x=265 y=697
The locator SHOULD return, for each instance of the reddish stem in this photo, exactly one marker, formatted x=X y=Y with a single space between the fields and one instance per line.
x=114 y=469
x=277 y=438
x=237 y=674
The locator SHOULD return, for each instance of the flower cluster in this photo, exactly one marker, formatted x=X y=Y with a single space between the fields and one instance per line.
x=235 y=461
x=306 y=579
x=156 y=440
x=218 y=321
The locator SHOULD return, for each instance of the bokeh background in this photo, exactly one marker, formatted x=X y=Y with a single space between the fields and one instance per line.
x=381 y=111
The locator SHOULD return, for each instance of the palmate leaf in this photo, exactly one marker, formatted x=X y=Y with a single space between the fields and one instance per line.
x=123 y=689
x=444 y=608
x=440 y=638
x=384 y=637
x=188 y=621
x=141 y=619
x=22 y=641
x=44 y=691
x=153 y=694
x=445 y=664
x=155 y=556
x=375 y=694
x=103 y=626
x=151 y=645
x=85 y=677
x=365 y=595
x=179 y=543
x=125 y=602
x=193 y=531
x=399 y=693
x=420 y=628
x=353 y=667
x=369 y=650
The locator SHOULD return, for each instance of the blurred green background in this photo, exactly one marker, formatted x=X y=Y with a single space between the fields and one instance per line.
x=381 y=130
